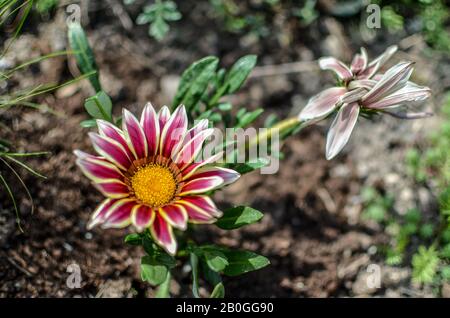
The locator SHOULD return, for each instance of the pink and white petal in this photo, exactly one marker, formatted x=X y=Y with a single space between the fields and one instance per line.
x=411 y=92
x=173 y=131
x=162 y=233
x=200 y=209
x=175 y=214
x=150 y=124
x=99 y=214
x=111 y=150
x=119 y=215
x=362 y=83
x=341 y=129
x=353 y=95
x=142 y=216
x=200 y=126
x=134 y=133
x=109 y=130
x=394 y=79
x=98 y=169
x=189 y=170
x=333 y=64
x=201 y=185
x=322 y=104
x=228 y=175
x=113 y=188
x=163 y=117
x=359 y=62
x=192 y=148
x=374 y=66
x=204 y=203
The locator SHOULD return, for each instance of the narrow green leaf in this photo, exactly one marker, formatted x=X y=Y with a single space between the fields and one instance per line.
x=249 y=117
x=164 y=289
x=215 y=260
x=218 y=291
x=133 y=239
x=88 y=123
x=239 y=73
x=241 y=262
x=194 y=266
x=153 y=272
x=247 y=167
x=84 y=56
x=194 y=82
x=237 y=217
x=99 y=106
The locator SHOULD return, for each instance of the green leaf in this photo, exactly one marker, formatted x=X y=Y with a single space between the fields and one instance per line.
x=194 y=266
x=425 y=263
x=241 y=262
x=164 y=288
x=215 y=260
x=194 y=82
x=133 y=239
x=84 y=55
x=249 y=117
x=88 y=123
x=237 y=217
x=247 y=167
x=239 y=73
x=153 y=272
x=99 y=106
x=218 y=291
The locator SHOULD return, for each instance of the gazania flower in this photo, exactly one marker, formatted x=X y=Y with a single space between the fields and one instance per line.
x=358 y=75
x=365 y=90
x=149 y=173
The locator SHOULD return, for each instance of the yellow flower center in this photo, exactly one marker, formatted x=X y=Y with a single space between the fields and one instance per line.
x=154 y=185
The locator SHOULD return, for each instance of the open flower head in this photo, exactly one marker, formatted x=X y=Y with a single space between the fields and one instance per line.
x=151 y=176
x=362 y=88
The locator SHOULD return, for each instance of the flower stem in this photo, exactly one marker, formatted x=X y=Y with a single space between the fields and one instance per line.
x=282 y=126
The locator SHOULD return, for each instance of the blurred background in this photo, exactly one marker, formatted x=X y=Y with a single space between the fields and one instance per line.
x=380 y=208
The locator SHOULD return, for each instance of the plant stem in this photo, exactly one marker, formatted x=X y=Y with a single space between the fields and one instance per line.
x=282 y=126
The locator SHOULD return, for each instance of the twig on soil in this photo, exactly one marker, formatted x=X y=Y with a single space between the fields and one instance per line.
x=286 y=68
x=20 y=268
x=327 y=200
x=120 y=12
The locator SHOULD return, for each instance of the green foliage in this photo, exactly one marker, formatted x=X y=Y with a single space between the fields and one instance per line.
x=44 y=6
x=99 y=106
x=153 y=272
x=237 y=217
x=84 y=55
x=307 y=14
x=218 y=291
x=157 y=15
x=425 y=264
x=391 y=19
x=376 y=205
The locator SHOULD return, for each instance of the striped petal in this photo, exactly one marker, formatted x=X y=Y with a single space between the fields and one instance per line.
x=109 y=130
x=322 y=104
x=176 y=215
x=163 y=117
x=188 y=171
x=362 y=83
x=119 y=214
x=111 y=150
x=200 y=209
x=332 y=64
x=113 y=188
x=375 y=65
x=353 y=95
x=394 y=79
x=142 y=216
x=359 y=62
x=228 y=175
x=341 y=129
x=201 y=185
x=97 y=168
x=134 y=133
x=411 y=92
x=163 y=235
x=150 y=124
x=191 y=133
x=99 y=214
x=192 y=148
x=173 y=131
